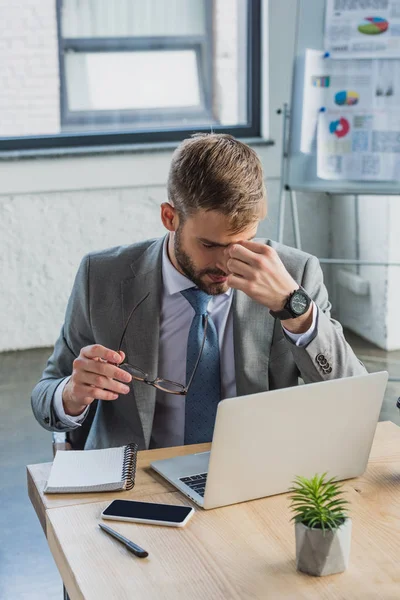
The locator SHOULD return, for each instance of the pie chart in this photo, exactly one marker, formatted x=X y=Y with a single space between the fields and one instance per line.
x=346 y=98
x=373 y=26
x=340 y=128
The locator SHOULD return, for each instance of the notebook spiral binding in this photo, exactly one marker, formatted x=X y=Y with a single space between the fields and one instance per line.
x=129 y=466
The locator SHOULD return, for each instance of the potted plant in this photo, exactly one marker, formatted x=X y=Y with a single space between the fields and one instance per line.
x=322 y=526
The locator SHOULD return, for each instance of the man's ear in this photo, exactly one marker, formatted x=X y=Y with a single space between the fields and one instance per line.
x=169 y=216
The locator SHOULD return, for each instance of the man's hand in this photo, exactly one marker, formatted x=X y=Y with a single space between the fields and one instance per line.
x=94 y=375
x=257 y=270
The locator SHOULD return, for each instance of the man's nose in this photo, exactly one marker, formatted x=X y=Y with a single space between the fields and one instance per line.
x=222 y=260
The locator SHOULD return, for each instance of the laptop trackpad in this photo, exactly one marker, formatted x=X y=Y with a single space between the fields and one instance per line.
x=183 y=466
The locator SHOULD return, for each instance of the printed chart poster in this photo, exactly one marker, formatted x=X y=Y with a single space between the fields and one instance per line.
x=364 y=146
x=352 y=85
x=362 y=28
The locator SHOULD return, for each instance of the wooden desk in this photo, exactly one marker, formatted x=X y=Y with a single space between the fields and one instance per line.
x=146 y=482
x=236 y=552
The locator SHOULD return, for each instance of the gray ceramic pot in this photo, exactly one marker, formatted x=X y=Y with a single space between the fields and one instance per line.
x=322 y=552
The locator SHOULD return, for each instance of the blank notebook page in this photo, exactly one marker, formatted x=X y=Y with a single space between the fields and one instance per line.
x=87 y=469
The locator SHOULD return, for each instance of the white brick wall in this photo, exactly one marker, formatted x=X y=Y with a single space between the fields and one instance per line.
x=374 y=316
x=29 y=79
x=44 y=237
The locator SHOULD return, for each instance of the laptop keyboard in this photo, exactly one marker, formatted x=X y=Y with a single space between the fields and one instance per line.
x=197 y=483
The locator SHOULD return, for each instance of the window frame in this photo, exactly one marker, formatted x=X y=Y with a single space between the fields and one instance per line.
x=94 y=139
x=137 y=44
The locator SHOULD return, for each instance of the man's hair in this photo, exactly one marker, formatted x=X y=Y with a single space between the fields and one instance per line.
x=215 y=171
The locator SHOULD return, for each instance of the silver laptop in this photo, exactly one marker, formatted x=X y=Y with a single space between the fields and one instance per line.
x=262 y=441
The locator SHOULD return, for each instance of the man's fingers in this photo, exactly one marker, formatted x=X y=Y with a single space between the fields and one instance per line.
x=257 y=247
x=102 y=368
x=238 y=252
x=99 y=351
x=237 y=267
x=247 y=252
x=89 y=393
x=104 y=383
x=237 y=282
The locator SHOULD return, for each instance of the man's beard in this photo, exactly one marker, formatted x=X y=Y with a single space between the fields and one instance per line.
x=186 y=264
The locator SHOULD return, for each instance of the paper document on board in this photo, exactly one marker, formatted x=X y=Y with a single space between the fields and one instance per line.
x=363 y=146
x=362 y=28
x=347 y=84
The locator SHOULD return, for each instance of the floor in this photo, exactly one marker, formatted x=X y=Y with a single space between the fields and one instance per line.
x=27 y=569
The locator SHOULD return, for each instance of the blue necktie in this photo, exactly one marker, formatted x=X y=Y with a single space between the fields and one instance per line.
x=205 y=391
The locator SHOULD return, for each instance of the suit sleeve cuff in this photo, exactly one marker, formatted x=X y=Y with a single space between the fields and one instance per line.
x=302 y=339
x=59 y=407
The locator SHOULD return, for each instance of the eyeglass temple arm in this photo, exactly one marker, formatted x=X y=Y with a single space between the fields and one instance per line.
x=129 y=318
x=200 y=355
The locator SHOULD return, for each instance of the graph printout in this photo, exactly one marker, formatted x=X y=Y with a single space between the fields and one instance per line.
x=362 y=28
x=361 y=146
x=346 y=86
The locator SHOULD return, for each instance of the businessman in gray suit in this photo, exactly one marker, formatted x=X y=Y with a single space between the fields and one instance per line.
x=157 y=333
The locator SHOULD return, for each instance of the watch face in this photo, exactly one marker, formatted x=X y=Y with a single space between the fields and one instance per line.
x=299 y=303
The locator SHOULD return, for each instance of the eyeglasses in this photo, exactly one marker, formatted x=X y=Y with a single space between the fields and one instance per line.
x=171 y=387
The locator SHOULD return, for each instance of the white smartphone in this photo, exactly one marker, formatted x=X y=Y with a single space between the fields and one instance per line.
x=172 y=515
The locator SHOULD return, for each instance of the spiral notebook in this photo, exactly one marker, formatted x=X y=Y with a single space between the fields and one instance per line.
x=105 y=470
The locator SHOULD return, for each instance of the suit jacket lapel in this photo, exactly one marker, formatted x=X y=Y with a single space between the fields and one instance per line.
x=253 y=329
x=142 y=335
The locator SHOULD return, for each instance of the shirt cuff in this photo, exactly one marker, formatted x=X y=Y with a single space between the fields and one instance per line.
x=302 y=339
x=59 y=407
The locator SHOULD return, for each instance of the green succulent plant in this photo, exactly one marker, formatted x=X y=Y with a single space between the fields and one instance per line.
x=318 y=502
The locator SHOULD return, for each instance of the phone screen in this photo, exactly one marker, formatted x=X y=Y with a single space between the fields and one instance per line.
x=132 y=509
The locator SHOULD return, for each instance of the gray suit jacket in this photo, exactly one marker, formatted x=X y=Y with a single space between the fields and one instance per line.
x=107 y=286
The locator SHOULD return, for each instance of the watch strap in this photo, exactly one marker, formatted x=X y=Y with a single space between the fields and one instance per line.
x=282 y=315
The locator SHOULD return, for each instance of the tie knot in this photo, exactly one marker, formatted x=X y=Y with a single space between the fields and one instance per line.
x=198 y=299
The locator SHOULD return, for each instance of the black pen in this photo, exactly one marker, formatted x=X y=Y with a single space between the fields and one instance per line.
x=134 y=548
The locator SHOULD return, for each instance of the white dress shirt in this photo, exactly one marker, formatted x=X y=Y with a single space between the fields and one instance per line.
x=175 y=320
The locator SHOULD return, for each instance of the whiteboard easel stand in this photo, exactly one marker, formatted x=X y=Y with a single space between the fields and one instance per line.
x=285 y=187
